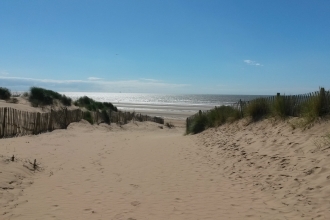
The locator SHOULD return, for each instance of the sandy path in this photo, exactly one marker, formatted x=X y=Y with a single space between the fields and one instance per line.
x=139 y=172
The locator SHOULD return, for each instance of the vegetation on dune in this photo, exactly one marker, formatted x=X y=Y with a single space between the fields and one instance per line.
x=213 y=118
x=40 y=97
x=309 y=107
x=88 y=117
x=258 y=109
x=4 y=93
x=169 y=125
x=93 y=105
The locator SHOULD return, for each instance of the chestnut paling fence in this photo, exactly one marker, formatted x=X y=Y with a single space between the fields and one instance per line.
x=293 y=103
x=14 y=122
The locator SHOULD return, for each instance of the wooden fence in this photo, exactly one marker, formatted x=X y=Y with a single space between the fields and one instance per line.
x=14 y=122
x=293 y=103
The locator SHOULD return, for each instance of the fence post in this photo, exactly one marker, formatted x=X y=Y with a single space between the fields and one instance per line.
x=4 y=122
x=65 y=118
x=241 y=108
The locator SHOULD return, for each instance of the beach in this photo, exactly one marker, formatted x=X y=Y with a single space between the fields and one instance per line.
x=144 y=170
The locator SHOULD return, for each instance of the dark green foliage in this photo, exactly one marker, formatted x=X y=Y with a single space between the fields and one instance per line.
x=66 y=100
x=258 y=108
x=88 y=117
x=93 y=105
x=213 y=118
x=221 y=115
x=39 y=96
x=105 y=116
x=4 y=93
x=198 y=124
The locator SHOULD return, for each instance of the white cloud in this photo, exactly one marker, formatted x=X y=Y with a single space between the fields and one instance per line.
x=4 y=73
x=94 y=78
x=252 y=63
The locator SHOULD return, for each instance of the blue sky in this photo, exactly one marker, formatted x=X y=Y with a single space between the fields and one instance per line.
x=172 y=46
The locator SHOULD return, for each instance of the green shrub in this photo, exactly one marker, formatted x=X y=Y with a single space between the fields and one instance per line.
x=257 y=108
x=212 y=118
x=105 y=116
x=93 y=105
x=198 y=124
x=88 y=117
x=4 y=93
x=66 y=100
x=221 y=115
x=39 y=96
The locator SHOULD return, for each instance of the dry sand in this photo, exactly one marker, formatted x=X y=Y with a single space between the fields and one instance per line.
x=264 y=170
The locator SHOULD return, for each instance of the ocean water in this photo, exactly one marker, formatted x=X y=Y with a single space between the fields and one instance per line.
x=163 y=105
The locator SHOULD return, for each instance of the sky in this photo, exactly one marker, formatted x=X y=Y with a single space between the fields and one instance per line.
x=257 y=47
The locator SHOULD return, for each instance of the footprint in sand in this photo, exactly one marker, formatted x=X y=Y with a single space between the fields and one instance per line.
x=135 y=203
x=134 y=186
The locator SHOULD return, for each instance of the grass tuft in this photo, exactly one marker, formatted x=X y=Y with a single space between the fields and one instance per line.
x=257 y=109
x=93 y=105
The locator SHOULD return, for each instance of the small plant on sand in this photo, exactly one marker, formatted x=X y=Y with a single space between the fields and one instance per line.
x=4 y=93
x=169 y=125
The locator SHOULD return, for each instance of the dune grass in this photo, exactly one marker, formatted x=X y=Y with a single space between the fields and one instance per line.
x=93 y=105
x=309 y=107
x=40 y=97
x=213 y=118
x=257 y=109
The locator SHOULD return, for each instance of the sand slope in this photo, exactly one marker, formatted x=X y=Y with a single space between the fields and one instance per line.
x=137 y=171
x=291 y=165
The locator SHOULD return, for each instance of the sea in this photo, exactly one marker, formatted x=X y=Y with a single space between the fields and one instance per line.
x=163 y=105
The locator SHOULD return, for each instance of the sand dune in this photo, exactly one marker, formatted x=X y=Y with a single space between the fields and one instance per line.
x=141 y=171
x=291 y=165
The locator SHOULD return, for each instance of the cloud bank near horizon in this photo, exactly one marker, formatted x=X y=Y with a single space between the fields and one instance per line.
x=91 y=84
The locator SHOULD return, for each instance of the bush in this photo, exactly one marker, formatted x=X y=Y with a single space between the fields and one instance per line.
x=198 y=124
x=258 y=108
x=93 y=105
x=88 y=117
x=39 y=96
x=213 y=118
x=221 y=115
x=66 y=100
x=105 y=116
x=4 y=93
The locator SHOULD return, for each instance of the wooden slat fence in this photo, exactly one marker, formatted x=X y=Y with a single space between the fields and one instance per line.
x=15 y=122
x=292 y=103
